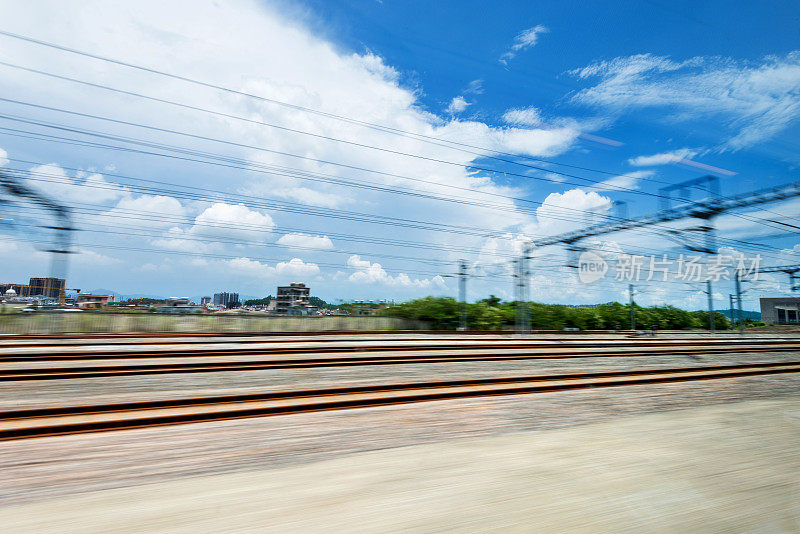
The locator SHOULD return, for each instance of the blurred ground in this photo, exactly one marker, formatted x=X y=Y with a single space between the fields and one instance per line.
x=722 y=468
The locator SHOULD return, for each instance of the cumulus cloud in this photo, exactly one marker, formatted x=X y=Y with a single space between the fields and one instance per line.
x=250 y=268
x=298 y=240
x=563 y=212
x=367 y=272
x=3 y=157
x=296 y=267
x=143 y=210
x=232 y=221
x=457 y=105
x=525 y=39
x=757 y=100
x=54 y=181
x=221 y=221
x=313 y=73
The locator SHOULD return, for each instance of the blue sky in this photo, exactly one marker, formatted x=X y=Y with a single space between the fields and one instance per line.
x=590 y=104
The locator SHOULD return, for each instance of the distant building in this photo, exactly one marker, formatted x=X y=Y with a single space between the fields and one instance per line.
x=227 y=300
x=780 y=310
x=179 y=305
x=86 y=300
x=294 y=300
x=20 y=290
x=367 y=307
x=46 y=287
x=205 y=301
x=9 y=293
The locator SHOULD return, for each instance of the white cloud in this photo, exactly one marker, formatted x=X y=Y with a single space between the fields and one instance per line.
x=232 y=221
x=142 y=211
x=298 y=240
x=629 y=180
x=663 y=158
x=226 y=222
x=757 y=100
x=529 y=116
x=288 y=62
x=296 y=267
x=557 y=178
x=86 y=257
x=457 y=105
x=567 y=211
x=525 y=39
x=475 y=87
x=374 y=273
x=250 y=268
x=3 y=157
x=52 y=180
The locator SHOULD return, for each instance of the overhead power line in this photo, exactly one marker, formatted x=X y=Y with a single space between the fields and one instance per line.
x=367 y=124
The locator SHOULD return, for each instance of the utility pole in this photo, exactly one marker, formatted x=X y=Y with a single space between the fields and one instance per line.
x=739 y=300
x=633 y=310
x=462 y=293
x=730 y=297
x=520 y=274
x=517 y=297
x=525 y=272
x=710 y=307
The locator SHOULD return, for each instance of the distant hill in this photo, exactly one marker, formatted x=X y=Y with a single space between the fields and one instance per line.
x=753 y=315
x=99 y=292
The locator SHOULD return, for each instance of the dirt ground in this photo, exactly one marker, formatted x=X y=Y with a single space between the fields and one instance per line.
x=721 y=468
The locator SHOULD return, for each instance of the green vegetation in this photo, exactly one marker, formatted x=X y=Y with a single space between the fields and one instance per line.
x=321 y=304
x=259 y=302
x=138 y=302
x=494 y=314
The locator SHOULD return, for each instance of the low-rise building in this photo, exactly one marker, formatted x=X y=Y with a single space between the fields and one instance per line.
x=780 y=310
x=87 y=300
x=294 y=296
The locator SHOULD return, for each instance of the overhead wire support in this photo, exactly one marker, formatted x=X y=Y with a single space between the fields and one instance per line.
x=521 y=275
x=462 y=294
x=631 y=291
x=711 y=326
x=702 y=210
x=62 y=229
x=739 y=300
x=791 y=270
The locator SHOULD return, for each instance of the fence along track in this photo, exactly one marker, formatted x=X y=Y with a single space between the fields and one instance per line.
x=83 y=419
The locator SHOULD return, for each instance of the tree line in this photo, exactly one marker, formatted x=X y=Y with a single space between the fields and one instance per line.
x=443 y=313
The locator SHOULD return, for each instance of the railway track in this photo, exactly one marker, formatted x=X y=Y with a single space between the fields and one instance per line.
x=119 y=370
x=32 y=423
x=80 y=352
x=73 y=362
x=88 y=337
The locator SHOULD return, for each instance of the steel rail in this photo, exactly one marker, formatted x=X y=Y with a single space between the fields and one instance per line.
x=374 y=346
x=120 y=336
x=114 y=371
x=56 y=421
